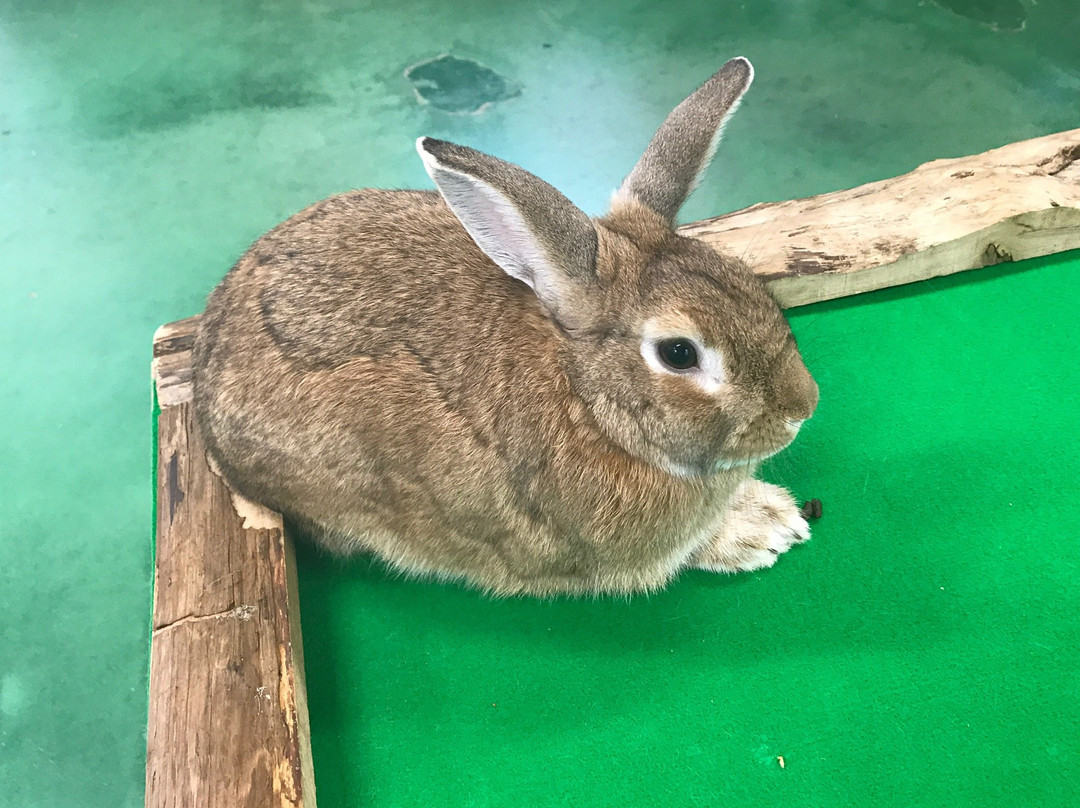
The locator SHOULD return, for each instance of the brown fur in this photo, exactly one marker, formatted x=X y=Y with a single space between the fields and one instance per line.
x=367 y=370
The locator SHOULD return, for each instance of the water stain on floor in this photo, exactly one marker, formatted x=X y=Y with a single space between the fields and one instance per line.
x=459 y=85
x=997 y=15
x=173 y=99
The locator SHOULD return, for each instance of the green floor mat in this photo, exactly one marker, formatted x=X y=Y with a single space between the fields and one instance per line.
x=921 y=650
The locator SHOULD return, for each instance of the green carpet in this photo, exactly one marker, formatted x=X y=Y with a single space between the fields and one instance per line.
x=921 y=650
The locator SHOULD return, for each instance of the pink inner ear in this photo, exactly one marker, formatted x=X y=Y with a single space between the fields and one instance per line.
x=493 y=222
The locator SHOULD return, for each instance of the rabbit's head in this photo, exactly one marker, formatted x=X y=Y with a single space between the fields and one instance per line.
x=683 y=357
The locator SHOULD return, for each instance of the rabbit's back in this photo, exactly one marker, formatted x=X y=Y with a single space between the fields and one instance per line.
x=366 y=300
x=366 y=273
x=364 y=368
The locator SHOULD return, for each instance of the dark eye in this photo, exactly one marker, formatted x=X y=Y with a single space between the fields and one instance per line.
x=677 y=353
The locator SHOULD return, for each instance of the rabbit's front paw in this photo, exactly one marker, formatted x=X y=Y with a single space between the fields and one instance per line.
x=761 y=522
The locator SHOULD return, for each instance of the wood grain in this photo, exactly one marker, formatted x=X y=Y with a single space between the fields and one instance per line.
x=228 y=711
x=1008 y=204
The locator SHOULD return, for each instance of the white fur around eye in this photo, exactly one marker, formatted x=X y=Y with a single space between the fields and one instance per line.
x=709 y=375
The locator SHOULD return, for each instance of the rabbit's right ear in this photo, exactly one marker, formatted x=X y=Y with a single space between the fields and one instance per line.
x=523 y=224
x=681 y=149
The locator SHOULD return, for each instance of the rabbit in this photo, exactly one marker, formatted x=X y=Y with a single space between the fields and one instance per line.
x=483 y=384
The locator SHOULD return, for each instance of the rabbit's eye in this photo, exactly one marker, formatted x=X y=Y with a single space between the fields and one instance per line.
x=677 y=353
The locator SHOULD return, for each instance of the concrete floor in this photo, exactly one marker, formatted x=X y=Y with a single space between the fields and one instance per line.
x=144 y=146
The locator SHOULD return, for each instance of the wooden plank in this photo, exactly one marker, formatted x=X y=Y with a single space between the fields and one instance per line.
x=1019 y=201
x=228 y=709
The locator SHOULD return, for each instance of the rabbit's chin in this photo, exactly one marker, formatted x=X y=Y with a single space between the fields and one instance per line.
x=791 y=429
x=727 y=464
x=745 y=464
x=749 y=463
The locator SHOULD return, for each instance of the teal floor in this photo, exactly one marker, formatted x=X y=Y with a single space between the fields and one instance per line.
x=144 y=146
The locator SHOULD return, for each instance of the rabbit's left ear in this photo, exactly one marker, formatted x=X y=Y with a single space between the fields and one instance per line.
x=682 y=148
x=523 y=224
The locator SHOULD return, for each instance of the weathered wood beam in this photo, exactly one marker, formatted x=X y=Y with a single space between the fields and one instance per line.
x=1008 y=204
x=228 y=709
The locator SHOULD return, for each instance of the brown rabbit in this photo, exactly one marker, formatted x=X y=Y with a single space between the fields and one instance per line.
x=487 y=385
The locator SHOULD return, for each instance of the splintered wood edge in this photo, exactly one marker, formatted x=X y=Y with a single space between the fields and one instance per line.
x=1012 y=203
x=170 y=367
x=227 y=665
